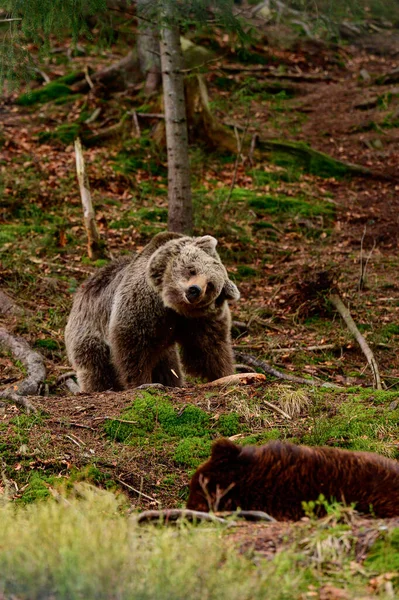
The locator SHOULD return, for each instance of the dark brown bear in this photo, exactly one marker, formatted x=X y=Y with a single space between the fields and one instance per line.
x=278 y=477
x=127 y=319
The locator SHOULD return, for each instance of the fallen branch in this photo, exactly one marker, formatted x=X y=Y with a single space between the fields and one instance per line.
x=261 y=364
x=236 y=379
x=345 y=314
x=169 y=515
x=268 y=73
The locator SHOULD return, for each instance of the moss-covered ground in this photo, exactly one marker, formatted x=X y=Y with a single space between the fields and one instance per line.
x=283 y=220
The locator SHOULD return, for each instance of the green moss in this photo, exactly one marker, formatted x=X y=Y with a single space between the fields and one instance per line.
x=37 y=488
x=384 y=554
x=193 y=451
x=357 y=426
x=48 y=92
x=48 y=344
x=280 y=205
x=244 y=271
x=66 y=133
x=149 y=413
x=228 y=424
x=298 y=155
x=261 y=438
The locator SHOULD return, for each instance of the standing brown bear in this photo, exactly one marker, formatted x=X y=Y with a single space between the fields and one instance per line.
x=128 y=318
x=279 y=477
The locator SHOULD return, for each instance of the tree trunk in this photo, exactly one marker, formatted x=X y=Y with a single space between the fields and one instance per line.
x=180 y=218
x=148 y=48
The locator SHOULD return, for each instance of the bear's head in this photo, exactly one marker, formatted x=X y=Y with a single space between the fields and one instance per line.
x=213 y=485
x=190 y=276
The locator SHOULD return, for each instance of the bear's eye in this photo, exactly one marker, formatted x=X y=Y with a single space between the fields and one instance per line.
x=193 y=272
x=210 y=287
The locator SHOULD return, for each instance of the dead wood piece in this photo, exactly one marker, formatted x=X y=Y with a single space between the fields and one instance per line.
x=345 y=314
x=261 y=364
x=267 y=72
x=33 y=361
x=170 y=515
x=237 y=379
x=114 y=78
x=95 y=247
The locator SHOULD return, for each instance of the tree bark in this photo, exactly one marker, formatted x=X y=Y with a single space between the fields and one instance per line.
x=148 y=48
x=180 y=217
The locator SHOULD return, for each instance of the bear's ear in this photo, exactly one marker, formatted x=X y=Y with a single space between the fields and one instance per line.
x=231 y=291
x=159 y=260
x=225 y=451
x=206 y=243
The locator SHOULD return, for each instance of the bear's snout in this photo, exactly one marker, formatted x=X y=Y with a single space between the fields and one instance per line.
x=193 y=293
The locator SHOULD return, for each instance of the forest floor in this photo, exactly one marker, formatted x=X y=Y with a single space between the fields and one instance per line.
x=281 y=224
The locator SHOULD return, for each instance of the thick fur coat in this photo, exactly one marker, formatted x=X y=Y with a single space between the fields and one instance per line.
x=128 y=318
x=278 y=477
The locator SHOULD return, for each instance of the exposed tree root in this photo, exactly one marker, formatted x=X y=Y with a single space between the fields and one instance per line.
x=261 y=364
x=8 y=306
x=113 y=78
x=33 y=361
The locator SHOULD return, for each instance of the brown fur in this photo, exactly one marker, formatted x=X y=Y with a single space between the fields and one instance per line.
x=127 y=318
x=278 y=477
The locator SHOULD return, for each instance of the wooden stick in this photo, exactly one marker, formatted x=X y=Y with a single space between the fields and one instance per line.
x=139 y=492
x=93 y=239
x=350 y=323
x=277 y=409
x=173 y=514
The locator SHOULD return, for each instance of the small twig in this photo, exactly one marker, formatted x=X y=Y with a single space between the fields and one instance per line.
x=277 y=409
x=321 y=347
x=345 y=314
x=136 y=124
x=88 y=78
x=240 y=144
x=72 y=438
x=220 y=494
x=131 y=488
x=363 y=265
x=150 y=115
x=9 y=20
x=203 y=482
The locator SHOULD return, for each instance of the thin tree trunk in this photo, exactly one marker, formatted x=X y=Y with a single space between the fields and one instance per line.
x=148 y=47
x=180 y=217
